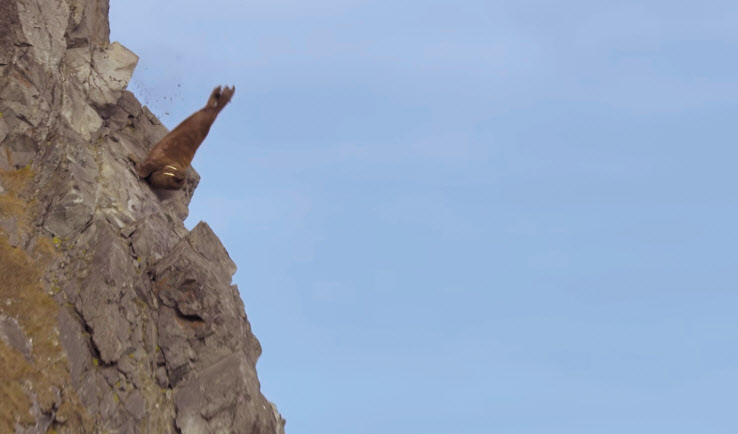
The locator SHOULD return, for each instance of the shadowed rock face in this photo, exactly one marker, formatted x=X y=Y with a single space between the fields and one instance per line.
x=140 y=314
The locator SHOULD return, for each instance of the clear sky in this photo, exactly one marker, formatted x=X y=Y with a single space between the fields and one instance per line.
x=469 y=217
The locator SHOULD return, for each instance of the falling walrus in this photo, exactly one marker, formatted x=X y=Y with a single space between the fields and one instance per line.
x=166 y=164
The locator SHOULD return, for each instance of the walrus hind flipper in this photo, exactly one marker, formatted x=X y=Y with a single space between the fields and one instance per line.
x=170 y=177
x=220 y=97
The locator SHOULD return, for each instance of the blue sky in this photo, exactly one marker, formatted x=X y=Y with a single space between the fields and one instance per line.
x=469 y=217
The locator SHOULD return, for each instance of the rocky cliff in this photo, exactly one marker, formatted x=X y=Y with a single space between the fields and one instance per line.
x=113 y=316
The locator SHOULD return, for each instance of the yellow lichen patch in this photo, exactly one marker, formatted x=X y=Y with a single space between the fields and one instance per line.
x=12 y=205
x=16 y=181
x=16 y=405
x=140 y=303
x=22 y=296
x=44 y=249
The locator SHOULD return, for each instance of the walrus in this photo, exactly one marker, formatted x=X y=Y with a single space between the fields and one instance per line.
x=168 y=160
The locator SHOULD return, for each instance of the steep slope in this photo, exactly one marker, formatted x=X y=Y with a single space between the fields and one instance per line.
x=113 y=316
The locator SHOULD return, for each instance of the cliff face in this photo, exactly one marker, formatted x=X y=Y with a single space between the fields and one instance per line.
x=113 y=316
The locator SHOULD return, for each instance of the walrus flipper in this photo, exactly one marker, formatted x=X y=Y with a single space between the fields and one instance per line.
x=141 y=170
x=220 y=97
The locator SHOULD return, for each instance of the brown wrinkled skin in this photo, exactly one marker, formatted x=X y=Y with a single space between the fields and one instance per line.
x=168 y=160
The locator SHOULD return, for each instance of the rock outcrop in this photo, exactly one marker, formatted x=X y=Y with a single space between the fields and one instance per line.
x=113 y=316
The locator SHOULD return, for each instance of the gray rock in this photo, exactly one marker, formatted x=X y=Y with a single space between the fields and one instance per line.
x=82 y=118
x=4 y=129
x=161 y=377
x=24 y=105
x=104 y=71
x=135 y=405
x=153 y=238
x=44 y=24
x=17 y=151
x=69 y=215
x=9 y=226
x=12 y=334
x=129 y=103
x=88 y=23
x=72 y=337
x=10 y=36
x=154 y=334
x=113 y=68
